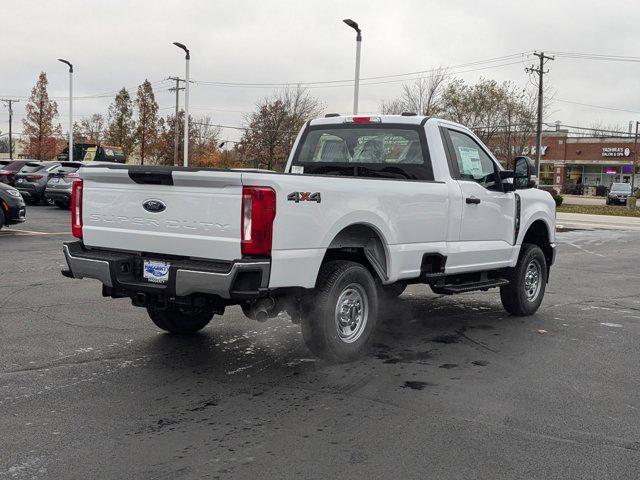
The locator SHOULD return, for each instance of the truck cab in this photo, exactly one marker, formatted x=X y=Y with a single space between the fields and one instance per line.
x=366 y=206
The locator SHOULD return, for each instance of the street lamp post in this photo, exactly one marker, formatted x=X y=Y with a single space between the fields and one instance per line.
x=186 y=103
x=356 y=85
x=632 y=203
x=66 y=62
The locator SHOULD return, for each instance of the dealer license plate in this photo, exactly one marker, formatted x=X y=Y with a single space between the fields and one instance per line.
x=156 y=271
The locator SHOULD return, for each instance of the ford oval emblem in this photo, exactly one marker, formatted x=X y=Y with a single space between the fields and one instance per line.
x=154 y=206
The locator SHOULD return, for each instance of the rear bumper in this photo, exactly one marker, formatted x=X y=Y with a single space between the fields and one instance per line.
x=121 y=272
x=64 y=196
x=30 y=191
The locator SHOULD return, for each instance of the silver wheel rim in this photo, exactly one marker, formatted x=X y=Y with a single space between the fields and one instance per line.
x=352 y=313
x=532 y=277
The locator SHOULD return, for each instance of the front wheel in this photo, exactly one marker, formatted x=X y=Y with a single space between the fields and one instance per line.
x=180 y=320
x=343 y=312
x=527 y=282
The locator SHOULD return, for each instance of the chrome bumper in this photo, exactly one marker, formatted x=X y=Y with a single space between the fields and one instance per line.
x=186 y=281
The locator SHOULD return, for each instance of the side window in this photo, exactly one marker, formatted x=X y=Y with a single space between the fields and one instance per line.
x=473 y=163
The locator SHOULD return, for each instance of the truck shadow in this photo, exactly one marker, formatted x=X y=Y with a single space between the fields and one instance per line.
x=410 y=328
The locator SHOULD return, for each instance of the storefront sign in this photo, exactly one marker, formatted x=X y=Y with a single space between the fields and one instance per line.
x=532 y=150
x=615 y=152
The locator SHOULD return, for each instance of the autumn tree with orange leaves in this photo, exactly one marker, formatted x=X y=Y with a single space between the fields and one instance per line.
x=40 y=128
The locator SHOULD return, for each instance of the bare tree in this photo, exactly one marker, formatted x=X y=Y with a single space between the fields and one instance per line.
x=205 y=138
x=91 y=130
x=601 y=129
x=273 y=126
x=423 y=96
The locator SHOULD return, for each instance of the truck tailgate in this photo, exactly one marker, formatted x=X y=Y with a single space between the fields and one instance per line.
x=192 y=213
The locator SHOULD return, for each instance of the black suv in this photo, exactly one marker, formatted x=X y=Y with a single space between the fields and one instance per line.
x=619 y=193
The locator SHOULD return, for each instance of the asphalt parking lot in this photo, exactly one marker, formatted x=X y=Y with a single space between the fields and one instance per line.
x=452 y=387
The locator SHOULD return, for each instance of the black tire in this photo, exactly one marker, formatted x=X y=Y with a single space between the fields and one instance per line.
x=392 y=291
x=1 y=219
x=49 y=201
x=62 y=205
x=180 y=320
x=350 y=284
x=520 y=297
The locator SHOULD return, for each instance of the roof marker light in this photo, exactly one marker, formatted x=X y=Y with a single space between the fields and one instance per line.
x=362 y=120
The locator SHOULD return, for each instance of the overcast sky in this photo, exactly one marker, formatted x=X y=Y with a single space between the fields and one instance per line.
x=120 y=43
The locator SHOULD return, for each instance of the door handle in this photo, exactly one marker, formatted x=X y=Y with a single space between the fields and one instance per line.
x=472 y=200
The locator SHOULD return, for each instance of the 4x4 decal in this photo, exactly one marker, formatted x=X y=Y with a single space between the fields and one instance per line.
x=304 y=197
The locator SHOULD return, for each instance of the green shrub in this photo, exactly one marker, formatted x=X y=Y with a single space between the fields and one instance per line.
x=558 y=199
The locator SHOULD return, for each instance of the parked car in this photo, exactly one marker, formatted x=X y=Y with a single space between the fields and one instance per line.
x=8 y=171
x=58 y=189
x=403 y=200
x=12 y=206
x=618 y=193
x=32 y=180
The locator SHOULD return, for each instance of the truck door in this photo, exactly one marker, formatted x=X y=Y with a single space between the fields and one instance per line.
x=488 y=212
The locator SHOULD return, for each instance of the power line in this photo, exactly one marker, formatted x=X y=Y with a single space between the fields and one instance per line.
x=596 y=106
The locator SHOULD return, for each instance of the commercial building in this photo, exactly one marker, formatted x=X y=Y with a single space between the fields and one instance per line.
x=590 y=161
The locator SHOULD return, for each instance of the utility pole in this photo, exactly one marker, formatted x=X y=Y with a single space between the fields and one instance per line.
x=176 y=139
x=540 y=71
x=10 y=102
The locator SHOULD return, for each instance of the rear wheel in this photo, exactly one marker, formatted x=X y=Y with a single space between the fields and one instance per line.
x=527 y=282
x=49 y=202
x=343 y=313
x=1 y=219
x=180 y=320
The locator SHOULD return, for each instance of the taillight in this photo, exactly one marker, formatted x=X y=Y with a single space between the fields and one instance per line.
x=71 y=175
x=258 y=212
x=76 y=209
x=4 y=172
x=33 y=177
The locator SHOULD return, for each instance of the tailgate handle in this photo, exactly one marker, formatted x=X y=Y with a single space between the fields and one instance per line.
x=151 y=177
x=472 y=200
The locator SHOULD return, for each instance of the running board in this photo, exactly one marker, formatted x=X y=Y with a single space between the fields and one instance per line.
x=469 y=287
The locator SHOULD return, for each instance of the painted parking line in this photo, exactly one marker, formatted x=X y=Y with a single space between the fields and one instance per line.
x=26 y=233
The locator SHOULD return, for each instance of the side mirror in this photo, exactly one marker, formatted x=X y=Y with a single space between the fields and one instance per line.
x=522 y=173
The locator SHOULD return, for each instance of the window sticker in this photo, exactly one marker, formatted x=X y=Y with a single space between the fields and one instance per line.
x=470 y=158
x=297 y=169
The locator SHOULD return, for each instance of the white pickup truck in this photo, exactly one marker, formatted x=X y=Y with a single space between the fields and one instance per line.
x=366 y=206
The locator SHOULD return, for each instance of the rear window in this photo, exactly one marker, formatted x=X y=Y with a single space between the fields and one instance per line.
x=31 y=167
x=14 y=166
x=68 y=167
x=364 y=151
x=362 y=145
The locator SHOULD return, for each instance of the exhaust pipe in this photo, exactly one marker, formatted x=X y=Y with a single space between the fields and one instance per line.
x=139 y=300
x=260 y=310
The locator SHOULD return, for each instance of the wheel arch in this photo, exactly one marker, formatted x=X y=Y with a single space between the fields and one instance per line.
x=538 y=233
x=361 y=242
